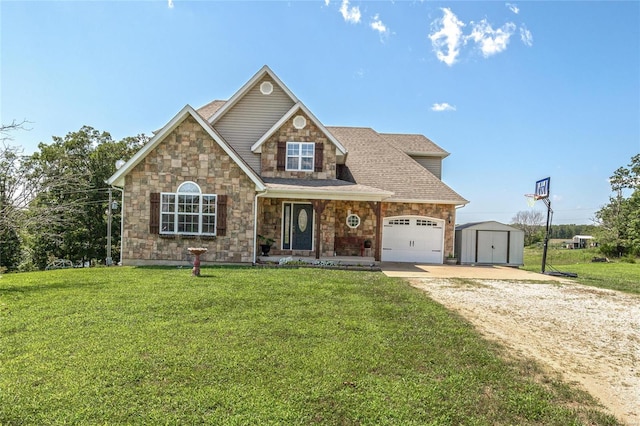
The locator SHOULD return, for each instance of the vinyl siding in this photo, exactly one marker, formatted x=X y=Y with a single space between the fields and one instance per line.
x=250 y=118
x=433 y=164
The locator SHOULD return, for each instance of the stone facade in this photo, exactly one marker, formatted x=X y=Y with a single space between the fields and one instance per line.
x=288 y=133
x=188 y=153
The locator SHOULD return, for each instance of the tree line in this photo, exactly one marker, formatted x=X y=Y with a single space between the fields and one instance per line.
x=53 y=203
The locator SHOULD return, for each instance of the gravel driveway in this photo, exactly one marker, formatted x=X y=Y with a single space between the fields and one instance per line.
x=589 y=335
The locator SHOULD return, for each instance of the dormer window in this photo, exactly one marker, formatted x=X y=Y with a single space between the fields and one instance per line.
x=300 y=156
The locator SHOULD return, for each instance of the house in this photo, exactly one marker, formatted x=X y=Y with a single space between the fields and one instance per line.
x=261 y=163
x=489 y=243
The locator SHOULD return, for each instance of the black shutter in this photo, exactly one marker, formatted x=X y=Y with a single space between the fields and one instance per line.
x=154 y=213
x=221 y=220
x=281 y=158
x=319 y=154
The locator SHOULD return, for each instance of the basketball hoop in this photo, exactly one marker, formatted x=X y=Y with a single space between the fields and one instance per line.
x=531 y=199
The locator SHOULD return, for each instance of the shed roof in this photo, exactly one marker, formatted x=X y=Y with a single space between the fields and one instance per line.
x=487 y=225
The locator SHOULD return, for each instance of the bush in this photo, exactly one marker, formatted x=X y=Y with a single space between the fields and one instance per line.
x=628 y=259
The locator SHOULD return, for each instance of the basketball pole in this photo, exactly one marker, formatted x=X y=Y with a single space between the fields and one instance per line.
x=546 y=235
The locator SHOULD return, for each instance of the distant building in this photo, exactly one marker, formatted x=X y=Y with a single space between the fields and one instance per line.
x=583 y=241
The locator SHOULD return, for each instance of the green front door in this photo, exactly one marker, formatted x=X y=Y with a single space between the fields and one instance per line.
x=298 y=226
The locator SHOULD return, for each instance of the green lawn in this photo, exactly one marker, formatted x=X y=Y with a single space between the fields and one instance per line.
x=256 y=346
x=616 y=275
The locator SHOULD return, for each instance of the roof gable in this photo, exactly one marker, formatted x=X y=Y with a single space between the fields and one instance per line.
x=264 y=71
x=117 y=179
x=256 y=147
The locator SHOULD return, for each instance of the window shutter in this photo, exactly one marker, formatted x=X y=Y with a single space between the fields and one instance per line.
x=282 y=156
x=319 y=154
x=221 y=219
x=154 y=213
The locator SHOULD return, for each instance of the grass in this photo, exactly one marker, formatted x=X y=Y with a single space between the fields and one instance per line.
x=615 y=275
x=256 y=346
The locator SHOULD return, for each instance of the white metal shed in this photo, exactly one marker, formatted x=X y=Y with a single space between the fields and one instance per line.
x=489 y=243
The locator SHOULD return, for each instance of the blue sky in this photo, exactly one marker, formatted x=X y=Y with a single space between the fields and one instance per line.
x=515 y=91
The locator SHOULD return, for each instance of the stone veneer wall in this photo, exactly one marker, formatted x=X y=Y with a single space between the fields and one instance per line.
x=334 y=223
x=437 y=211
x=367 y=228
x=270 y=225
x=288 y=133
x=187 y=154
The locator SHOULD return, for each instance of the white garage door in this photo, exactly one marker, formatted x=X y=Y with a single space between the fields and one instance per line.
x=413 y=239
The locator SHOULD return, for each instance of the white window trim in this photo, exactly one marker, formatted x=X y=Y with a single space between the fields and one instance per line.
x=175 y=214
x=300 y=157
x=349 y=224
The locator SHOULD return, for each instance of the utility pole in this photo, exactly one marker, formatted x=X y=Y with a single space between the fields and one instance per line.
x=113 y=205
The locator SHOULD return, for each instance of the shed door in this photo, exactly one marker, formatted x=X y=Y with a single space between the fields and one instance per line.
x=412 y=239
x=492 y=246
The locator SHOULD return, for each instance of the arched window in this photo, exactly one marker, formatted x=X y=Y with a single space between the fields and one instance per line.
x=188 y=211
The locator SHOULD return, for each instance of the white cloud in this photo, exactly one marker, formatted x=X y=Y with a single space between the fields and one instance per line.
x=526 y=36
x=378 y=26
x=170 y=4
x=326 y=2
x=447 y=37
x=442 y=107
x=350 y=14
x=491 y=41
x=512 y=7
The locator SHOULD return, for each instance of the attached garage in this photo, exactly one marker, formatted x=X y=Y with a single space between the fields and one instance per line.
x=415 y=239
x=490 y=243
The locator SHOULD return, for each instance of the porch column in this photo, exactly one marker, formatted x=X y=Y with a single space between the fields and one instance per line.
x=318 y=208
x=376 y=207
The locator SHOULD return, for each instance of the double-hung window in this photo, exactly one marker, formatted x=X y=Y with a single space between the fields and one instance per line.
x=188 y=211
x=300 y=156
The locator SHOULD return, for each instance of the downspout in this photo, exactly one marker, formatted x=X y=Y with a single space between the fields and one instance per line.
x=121 y=225
x=255 y=224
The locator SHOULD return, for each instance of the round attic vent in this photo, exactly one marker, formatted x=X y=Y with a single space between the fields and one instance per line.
x=266 y=88
x=299 y=122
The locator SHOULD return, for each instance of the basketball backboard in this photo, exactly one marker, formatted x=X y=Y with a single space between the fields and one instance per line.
x=542 y=188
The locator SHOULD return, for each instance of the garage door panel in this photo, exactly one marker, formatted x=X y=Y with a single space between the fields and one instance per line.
x=412 y=239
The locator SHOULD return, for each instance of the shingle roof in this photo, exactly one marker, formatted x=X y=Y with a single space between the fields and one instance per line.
x=379 y=160
x=329 y=187
x=374 y=161
x=209 y=109
x=414 y=144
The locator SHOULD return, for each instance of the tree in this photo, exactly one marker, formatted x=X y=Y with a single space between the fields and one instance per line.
x=73 y=170
x=620 y=219
x=14 y=195
x=529 y=221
